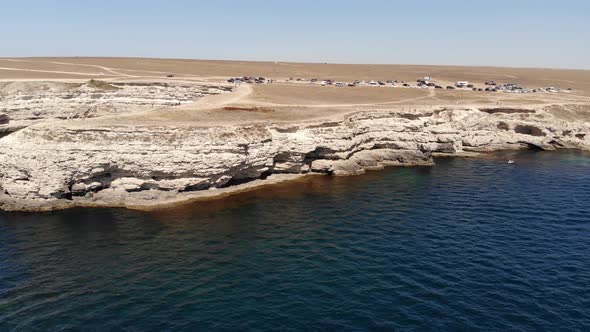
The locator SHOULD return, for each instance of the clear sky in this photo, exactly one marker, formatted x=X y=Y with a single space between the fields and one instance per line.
x=531 y=33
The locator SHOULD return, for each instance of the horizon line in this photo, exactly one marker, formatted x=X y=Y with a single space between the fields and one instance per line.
x=292 y=61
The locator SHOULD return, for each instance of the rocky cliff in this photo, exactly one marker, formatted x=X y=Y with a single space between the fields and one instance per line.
x=53 y=166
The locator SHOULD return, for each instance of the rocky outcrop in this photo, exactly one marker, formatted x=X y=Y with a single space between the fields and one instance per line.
x=28 y=103
x=44 y=167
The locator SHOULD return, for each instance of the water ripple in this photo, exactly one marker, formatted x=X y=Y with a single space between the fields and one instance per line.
x=467 y=245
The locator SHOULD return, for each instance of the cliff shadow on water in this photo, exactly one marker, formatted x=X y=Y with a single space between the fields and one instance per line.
x=404 y=179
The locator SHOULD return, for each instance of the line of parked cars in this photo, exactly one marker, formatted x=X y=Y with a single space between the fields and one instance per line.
x=361 y=83
x=425 y=82
x=249 y=79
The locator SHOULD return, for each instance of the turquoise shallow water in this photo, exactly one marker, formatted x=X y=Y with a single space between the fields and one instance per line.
x=470 y=244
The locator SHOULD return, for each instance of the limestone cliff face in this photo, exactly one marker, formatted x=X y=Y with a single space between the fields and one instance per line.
x=44 y=167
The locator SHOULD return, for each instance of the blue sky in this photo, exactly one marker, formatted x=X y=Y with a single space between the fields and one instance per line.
x=494 y=32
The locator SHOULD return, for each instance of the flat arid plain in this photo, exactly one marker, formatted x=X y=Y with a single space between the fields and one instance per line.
x=144 y=133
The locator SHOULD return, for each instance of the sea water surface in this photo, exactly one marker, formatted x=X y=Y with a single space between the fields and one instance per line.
x=470 y=244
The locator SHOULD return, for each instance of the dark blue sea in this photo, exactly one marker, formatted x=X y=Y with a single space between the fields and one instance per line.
x=470 y=244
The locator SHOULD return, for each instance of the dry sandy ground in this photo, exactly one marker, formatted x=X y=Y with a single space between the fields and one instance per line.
x=291 y=94
x=285 y=101
x=577 y=79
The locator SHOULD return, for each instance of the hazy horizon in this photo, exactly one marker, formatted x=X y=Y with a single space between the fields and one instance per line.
x=530 y=34
x=301 y=62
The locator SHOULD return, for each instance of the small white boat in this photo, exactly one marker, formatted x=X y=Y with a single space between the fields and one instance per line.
x=511 y=161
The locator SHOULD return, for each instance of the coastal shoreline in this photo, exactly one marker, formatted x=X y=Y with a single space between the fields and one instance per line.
x=360 y=142
x=181 y=200
x=145 y=138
